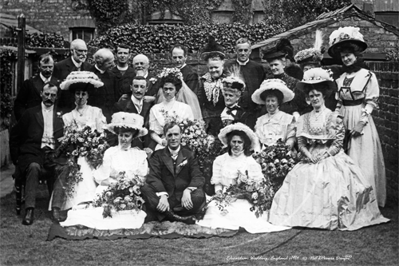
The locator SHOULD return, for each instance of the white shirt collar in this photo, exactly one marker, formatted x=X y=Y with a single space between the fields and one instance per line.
x=45 y=80
x=47 y=109
x=122 y=68
x=183 y=65
x=76 y=63
x=242 y=63
x=101 y=71
x=174 y=152
x=136 y=101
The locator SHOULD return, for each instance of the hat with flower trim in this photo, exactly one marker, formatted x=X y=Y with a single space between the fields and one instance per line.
x=234 y=80
x=317 y=76
x=312 y=55
x=343 y=36
x=270 y=85
x=127 y=120
x=81 y=80
x=212 y=48
x=240 y=127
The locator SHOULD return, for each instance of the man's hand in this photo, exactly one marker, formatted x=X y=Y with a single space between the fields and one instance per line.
x=358 y=129
x=163 y=204
x=149 y=152
x=186 y=199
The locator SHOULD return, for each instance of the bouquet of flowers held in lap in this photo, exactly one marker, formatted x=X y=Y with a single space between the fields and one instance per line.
x=276 y=161
x=259 y=194
x=122 y=195
x=76 y=143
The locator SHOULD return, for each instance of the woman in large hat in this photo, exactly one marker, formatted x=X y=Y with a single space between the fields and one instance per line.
x=326 y=189
x=210 y=91
x=358 y=93
x=228 y=169
x=275 y=124
x=121 y=161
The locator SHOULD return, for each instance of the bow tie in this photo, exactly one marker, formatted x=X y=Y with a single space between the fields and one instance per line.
x=234 y=108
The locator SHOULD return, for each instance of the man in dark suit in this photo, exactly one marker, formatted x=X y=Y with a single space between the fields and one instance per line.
x=179 y=57
x=136 y=104
x=29 y=94
x=122 y=73
x=32 y=144
x=141 y=65
x=77 y=62
x=174 y=186
x=253 y=75
x=104 y=97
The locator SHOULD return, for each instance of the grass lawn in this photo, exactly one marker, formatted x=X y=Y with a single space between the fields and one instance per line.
x=27 y=245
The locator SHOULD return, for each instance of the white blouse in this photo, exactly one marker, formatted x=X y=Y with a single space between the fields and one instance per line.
x=270 y=128
x=89 y=116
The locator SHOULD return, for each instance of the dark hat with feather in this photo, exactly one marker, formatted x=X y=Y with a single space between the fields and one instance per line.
x=211 y=49
x=282 y=49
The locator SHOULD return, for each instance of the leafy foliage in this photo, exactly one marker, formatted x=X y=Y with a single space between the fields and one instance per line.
x=6 y=59
x=149 y=39
x=45 y=40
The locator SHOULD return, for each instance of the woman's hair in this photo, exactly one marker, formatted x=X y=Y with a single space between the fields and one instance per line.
x=119 y=130
x=276 y=93
x=349 y=47
x=171 y=78
x=243 y=136
x=320 y=87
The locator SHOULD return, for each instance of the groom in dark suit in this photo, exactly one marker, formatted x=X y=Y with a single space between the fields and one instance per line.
x=174 y=186
x=32 y=145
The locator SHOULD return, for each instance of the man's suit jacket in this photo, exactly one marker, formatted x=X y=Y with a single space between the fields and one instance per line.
x=127 y=105
x=190 y=78
x=61 y=70
x=153 y=85
x=122 y=82
x=26 y=136
x=165 y=176
x=29 y=94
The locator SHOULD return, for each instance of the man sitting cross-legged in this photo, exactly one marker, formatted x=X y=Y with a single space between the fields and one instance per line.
x=174 y=186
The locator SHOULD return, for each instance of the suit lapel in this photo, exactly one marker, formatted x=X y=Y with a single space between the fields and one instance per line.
x=145 y=109
x=38 y=84
x=181 y=161
x=39 y=117
x=167 y=159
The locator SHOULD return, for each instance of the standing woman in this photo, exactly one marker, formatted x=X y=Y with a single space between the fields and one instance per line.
x=210 y=93
x=357 y=96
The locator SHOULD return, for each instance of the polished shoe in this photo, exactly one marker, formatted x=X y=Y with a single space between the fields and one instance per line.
x=201 y=213
x=56 y=214
x=28 y=219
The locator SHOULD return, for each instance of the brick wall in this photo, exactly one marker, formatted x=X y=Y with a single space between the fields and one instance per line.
x=386 y=119
x=46 y=15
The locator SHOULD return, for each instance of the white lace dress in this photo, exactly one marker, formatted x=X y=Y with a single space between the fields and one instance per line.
x=225 y=173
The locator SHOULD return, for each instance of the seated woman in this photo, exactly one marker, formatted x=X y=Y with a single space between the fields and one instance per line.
x=326 y=189
x=240 y=140
x=275 y=124
x=80 y=84
x=119 y=161
x=170 y=85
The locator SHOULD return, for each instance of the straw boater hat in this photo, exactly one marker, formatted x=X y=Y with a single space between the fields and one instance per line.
x=312 y=55
x=240 y=127
x=272 y=84
x=81 y=80
x=282 y=49
x=127 y=120
x=212 y=47
x=317 y=76
x=343 y=36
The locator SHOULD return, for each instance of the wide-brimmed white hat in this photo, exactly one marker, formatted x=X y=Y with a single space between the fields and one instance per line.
x=345 y=35
x=240 y=127
x=315 y=76
x=273 y=84
x=127 y=120
x=83 y=77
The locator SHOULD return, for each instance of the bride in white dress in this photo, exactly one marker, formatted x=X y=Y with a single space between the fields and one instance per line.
x=240 y=140
x=117 y=159
x=170 y=86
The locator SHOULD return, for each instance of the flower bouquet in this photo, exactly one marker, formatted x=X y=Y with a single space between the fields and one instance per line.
x=76 y=143
x=166 y=71
x=259 y=194
x=125 y=194
x=276 y=161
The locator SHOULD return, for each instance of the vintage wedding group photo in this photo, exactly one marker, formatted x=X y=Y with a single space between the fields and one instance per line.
x=212 y=132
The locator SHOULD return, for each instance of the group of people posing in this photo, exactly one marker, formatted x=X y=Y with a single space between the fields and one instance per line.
x=338 y=183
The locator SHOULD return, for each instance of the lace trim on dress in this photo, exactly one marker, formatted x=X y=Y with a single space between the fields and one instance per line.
x=212 y=88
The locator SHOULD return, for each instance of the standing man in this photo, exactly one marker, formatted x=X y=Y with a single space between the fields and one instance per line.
x=142 y=63
x=76 y=62
x=179 y=58
x=174 y=188
x=104 y=97
x=32 y=145
x=253 y=75
x=30 y=93
x=136 y=104
x=122 y=73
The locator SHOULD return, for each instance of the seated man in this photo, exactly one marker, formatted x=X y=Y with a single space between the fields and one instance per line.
x=33 y=142
x=174 y=184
